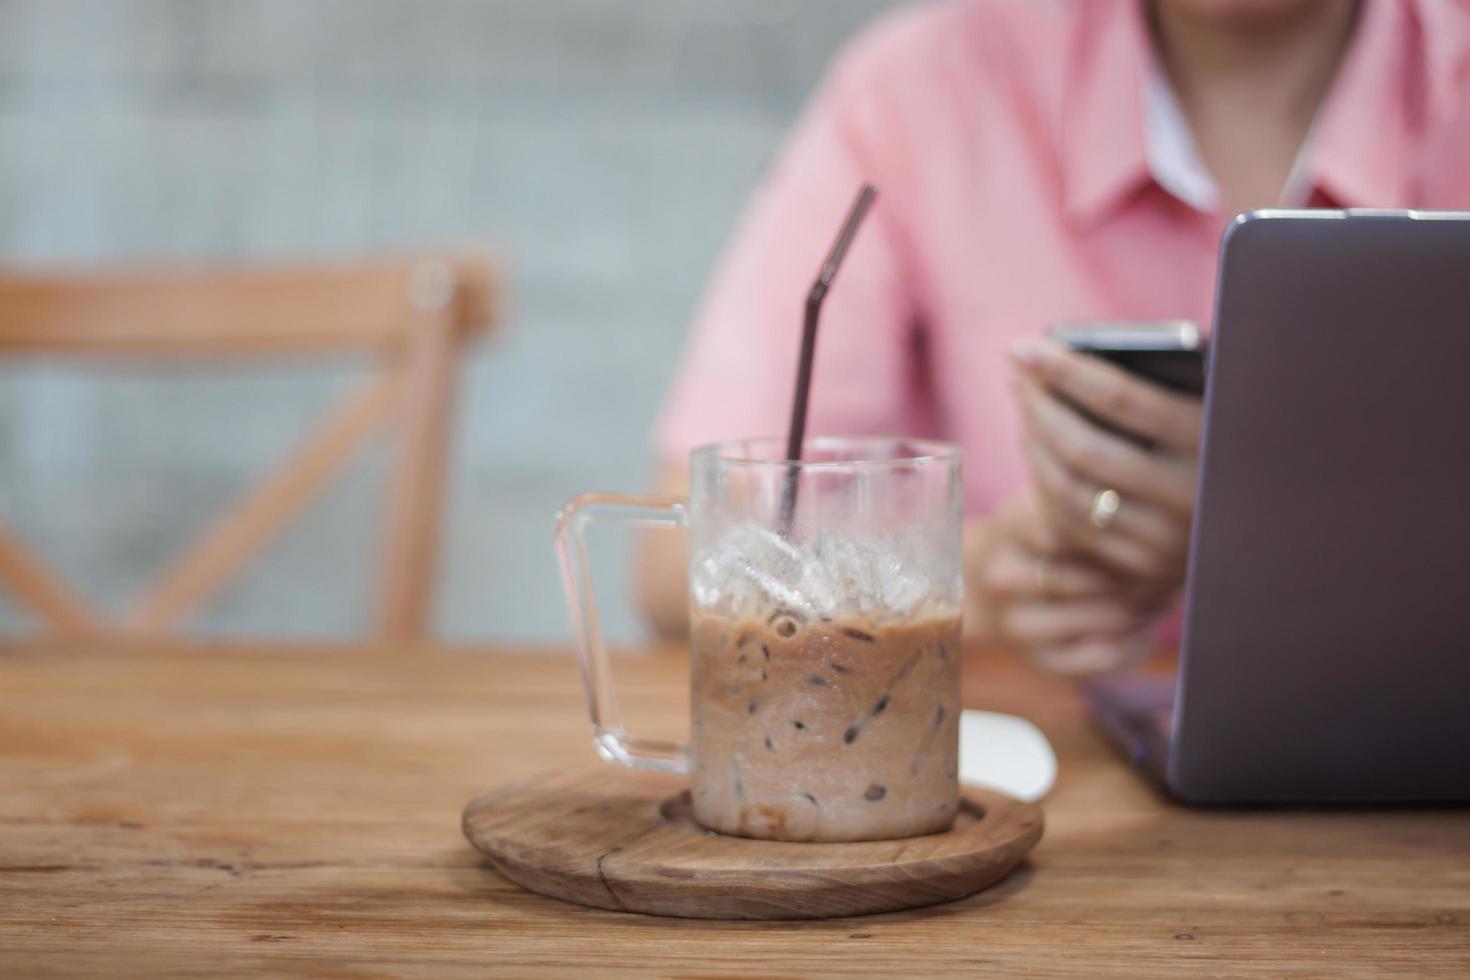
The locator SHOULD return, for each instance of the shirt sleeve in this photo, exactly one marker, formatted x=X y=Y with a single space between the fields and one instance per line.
x=739 y=369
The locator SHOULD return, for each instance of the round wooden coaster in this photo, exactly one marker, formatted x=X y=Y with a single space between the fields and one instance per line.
x=625 y=840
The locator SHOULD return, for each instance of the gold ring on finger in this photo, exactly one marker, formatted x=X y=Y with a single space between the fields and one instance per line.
x=1105 y=506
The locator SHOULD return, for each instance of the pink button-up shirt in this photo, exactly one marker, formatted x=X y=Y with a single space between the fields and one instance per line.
x=1031 y=171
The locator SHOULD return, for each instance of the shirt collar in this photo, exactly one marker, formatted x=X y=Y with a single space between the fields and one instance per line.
x=1439 y=47
x=1122 y=126
x=1173 y=160
x=1102 y=138
x=1356 y=152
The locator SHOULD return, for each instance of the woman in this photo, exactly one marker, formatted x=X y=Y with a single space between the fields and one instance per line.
x=1043 y=162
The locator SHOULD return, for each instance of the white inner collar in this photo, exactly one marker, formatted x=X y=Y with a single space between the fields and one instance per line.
x=1174 y=161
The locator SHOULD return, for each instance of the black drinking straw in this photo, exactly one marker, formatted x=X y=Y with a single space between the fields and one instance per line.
x=797 y=433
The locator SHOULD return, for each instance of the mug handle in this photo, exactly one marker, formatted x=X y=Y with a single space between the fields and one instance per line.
x=614 y=743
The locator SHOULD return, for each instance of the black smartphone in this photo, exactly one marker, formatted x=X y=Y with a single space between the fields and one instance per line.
x=1170 y=353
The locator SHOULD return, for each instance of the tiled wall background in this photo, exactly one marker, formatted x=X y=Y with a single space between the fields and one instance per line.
x=606 y=145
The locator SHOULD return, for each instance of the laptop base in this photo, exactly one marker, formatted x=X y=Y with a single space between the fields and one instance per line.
x=1136 y=714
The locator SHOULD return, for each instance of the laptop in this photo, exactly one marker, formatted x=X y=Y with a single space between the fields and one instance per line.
x=1325 y=655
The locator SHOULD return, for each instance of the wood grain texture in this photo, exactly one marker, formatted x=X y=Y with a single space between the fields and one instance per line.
x=411 y=544
x=169 y=811
x=627 y=841
x=227 y=311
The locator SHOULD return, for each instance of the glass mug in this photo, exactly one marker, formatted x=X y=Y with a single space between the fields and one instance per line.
x=824 y=611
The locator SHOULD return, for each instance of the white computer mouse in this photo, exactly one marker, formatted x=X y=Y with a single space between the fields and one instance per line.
x=1006 y=753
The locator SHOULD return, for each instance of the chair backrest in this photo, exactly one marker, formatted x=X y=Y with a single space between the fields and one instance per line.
x=412 y=315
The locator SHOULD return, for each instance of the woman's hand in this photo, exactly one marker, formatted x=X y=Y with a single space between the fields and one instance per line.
x=1141 y=530
x=1063 y=611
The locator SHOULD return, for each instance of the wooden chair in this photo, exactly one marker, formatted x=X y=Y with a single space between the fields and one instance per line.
x=414 y=316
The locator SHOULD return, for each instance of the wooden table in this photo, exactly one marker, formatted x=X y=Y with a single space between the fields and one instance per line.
x=218 y=811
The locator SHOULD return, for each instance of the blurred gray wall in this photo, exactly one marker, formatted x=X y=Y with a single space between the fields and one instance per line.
x=604 y=145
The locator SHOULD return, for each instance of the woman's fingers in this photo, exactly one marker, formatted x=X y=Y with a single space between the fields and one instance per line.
x=1142 y=540
x=1106 y=460
x=1047 y=621
x=1041 y=596
x=1031 y=525
x=1018 y=573
x=1091 y=655
x=1161 y=416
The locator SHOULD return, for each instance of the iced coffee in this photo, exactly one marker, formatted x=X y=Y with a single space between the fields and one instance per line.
x=825 y=689
x=825 y=597
x=829 y=730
